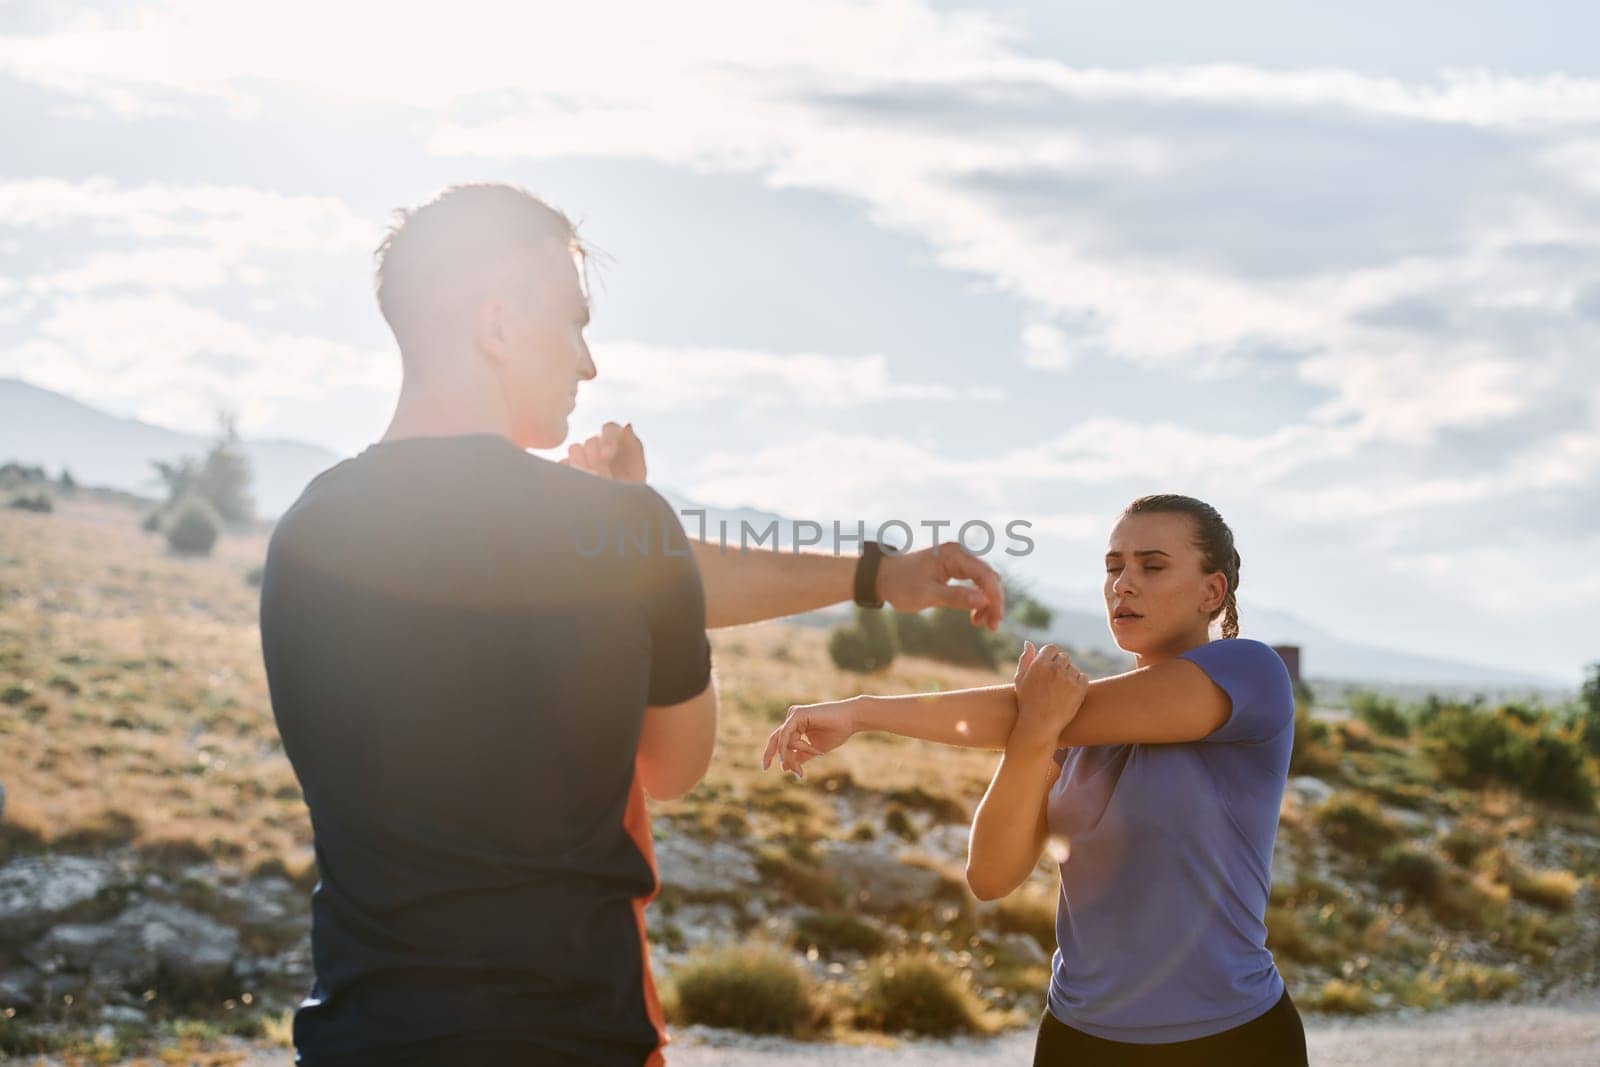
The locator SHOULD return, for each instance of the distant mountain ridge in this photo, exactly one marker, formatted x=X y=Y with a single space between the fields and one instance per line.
x=38 y=426
x=48 y=429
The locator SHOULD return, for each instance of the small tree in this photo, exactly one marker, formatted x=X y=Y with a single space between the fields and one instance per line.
x=67 y=482
x=221 y=477
x=224 y=475
x=193 y=531
x=1589 y=710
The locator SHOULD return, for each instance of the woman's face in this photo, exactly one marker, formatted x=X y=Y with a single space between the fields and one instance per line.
x=1157 y=592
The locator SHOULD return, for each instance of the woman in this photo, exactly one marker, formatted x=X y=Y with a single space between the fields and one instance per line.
x=1162 y=788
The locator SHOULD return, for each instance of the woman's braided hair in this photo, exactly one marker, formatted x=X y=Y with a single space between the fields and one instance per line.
x=1214 y=540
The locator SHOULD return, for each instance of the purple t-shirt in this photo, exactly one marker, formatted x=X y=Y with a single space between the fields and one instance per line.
x=1160 y=925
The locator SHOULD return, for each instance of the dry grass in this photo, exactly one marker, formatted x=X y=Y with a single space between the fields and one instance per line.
x=147 y=721
x=143 y=716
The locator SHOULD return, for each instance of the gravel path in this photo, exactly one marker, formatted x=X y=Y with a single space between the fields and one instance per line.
x=1557 y=1034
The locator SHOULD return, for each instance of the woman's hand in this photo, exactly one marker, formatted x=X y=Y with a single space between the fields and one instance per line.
x=615 y=452
x=1050 y=690
x=809 y=731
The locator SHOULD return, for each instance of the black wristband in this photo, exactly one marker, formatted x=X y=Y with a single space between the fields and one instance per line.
x=867 y=575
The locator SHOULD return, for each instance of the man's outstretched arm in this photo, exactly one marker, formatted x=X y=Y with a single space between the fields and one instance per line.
x=749 y=585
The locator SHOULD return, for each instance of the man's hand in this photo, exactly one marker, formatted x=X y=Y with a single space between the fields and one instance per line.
x=615 y=452
x=1050 y=690
x=918 y=580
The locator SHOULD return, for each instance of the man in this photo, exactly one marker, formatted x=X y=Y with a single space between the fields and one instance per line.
x=475 y=698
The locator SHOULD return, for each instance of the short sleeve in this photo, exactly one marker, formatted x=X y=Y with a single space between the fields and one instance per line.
x=1257 y=684
x=680 y=653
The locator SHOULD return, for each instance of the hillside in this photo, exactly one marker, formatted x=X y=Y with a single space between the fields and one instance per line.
x=54 y=431
x=38 y=426
x=148 y=802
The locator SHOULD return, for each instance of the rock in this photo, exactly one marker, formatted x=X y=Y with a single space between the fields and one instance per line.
x=1311 y=791
x=121 y=1014
x=186 y=944
x=36 y=890
x=18 y=987
x=70 y=947
x=1411 y=820
x=699 y=868
x=1023 y=947
x=1284 y=870
x=273 y=909
x=948 y=840
x=876 y=880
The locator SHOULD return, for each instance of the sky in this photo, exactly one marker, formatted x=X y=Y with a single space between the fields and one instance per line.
x=1332 y=268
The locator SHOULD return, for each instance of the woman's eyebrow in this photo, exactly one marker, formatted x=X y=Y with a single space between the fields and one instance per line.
x=1140 y=552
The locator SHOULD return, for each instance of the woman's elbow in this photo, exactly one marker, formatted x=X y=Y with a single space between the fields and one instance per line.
x=984 y=885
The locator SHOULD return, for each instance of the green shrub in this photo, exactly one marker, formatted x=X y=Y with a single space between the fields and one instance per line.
x=1355 y=823
x=1588 y=710
x=1416 y=873
x=1289 y=937
x=1028 y=913
x=1355 y=736
x=830 y=931
x=867 y=645
x=897 y=822
x=1310 y=753
x=252 y=577
x=1465 y=843
x=1468 y=903
x=151 y=523
x=920 y=994
x=1553 y=889
x=755 y=988
x=1475 y=981
x=942 y=806
x=193 y=531
x=1522 y=748
x=800 y=880
x=1557 y=769
x=947 y=635
x=1347 y=998
x=39 y=502
x=1380 y=713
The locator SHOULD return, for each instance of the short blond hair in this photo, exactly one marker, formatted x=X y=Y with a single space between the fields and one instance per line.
x=439 y=258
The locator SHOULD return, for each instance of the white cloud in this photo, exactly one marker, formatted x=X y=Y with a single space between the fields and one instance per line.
x=174 y=363
x=229 y=220
x=638 y=376
x=1045 y=347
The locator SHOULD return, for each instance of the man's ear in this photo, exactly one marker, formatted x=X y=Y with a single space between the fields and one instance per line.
x=489 y=327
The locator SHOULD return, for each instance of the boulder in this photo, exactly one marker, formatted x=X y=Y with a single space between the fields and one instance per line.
x=1311 y=791
x=37 y=890
x=878 y=880
x=704 y=868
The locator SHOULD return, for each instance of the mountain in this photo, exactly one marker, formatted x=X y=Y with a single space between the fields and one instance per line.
x=38 y=426
x=45 y=428
x=1323 y=655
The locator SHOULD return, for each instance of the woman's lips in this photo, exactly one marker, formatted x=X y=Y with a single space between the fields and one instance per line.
x=1123 y=619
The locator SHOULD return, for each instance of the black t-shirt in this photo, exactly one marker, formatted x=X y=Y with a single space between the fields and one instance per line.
x=460 y=641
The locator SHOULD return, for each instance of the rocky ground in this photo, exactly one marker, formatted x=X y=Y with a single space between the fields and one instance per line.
x=155 y=852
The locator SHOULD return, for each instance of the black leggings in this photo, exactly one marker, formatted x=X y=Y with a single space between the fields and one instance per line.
x=1274 y=1039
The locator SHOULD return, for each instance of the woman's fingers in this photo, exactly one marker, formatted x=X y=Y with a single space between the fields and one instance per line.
x=789 y=745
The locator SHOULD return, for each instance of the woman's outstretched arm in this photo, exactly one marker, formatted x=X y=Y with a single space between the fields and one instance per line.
x=971 y=718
